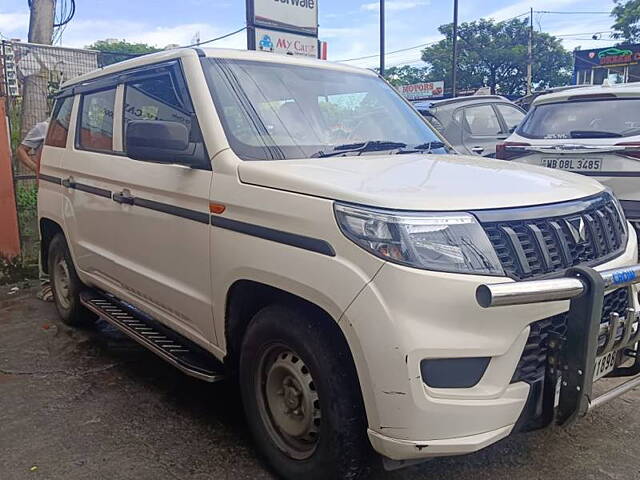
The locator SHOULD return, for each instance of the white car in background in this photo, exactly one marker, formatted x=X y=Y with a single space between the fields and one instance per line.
x=594 y=131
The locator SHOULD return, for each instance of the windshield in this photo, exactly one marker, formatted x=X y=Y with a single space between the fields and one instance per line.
x=273 y=111
x=610 y=118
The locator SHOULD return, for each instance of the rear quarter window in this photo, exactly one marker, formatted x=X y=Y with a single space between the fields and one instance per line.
x=59 y=124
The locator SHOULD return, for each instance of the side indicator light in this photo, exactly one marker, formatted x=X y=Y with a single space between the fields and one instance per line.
x=217 y=208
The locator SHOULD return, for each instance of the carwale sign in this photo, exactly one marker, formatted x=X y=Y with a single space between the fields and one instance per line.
x=417 y=91
x=296 y=16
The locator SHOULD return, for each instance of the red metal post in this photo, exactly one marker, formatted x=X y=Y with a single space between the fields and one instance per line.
x=9 y=234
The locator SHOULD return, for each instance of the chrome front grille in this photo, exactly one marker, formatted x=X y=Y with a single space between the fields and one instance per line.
x=552 y=238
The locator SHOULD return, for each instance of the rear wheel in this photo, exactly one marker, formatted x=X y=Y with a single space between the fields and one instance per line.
x=301 y=396
x=65 y=284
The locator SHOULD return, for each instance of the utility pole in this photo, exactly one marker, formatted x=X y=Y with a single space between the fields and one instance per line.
x=382 y=37
x=530 y=57
x=41 y=21
x=35 y=88
x=454 y=63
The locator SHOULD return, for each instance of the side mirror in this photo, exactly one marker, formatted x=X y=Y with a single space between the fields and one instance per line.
x=156 y=141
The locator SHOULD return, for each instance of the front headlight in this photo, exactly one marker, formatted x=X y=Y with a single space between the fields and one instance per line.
x=446 y=242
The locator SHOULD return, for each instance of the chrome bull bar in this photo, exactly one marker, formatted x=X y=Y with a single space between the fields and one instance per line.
x=571 y=359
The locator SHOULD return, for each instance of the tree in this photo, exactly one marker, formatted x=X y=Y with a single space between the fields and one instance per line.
x=494 y=54
x=627 y=15
x=406 y=75
x=119 y=50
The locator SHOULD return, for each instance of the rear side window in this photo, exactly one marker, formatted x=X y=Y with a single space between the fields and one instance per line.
x=511 y=115
x=59 y=124
x=96 y=121
x=159 y=98
x=482 y=120
x=606 y=118
x=433 y=120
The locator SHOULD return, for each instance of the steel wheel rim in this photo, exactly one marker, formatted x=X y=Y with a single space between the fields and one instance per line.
x=62 y=283
x=288 y=402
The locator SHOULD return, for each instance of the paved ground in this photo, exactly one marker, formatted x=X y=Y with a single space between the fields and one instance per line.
x=88 y=404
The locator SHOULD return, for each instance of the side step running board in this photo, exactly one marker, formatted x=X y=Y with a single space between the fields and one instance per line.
x=180 y=352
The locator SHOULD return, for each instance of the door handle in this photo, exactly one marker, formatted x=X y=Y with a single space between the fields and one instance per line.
x=68 y=182
x=123 y=197
x=478 y=150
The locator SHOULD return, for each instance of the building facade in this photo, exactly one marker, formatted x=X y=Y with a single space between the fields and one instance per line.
x=619 y=64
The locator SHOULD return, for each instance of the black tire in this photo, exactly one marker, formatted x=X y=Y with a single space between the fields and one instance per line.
x=66 y=299
x=341 y=449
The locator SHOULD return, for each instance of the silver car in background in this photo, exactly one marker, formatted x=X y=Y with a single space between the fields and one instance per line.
x=473 y=125
x=592 y=131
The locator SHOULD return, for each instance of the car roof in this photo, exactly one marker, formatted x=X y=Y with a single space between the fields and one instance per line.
x=619 y=90
x=470 y=99
x=177 y=53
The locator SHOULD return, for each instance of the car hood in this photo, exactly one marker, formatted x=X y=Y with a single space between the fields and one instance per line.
x=420 y=182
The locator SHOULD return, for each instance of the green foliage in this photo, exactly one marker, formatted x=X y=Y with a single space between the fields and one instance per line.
x=494 y=54
x=627 y=17
x=406 y=75
x=121 y=50
x=27 y=197
x=15 y=119
x=27 y=204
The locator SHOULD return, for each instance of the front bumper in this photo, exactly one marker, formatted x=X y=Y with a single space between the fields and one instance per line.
x=405 y=316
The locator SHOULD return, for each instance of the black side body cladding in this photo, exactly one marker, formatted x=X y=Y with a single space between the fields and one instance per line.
x=292 y=239
x=300 y=241
x=50 y=179
x=194 y=215
x=101 y=192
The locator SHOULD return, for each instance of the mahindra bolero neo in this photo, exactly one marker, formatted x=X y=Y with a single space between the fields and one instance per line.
x=249 y=216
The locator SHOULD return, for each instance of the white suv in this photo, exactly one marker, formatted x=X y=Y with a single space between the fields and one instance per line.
x=295 y=223
x=594 y=131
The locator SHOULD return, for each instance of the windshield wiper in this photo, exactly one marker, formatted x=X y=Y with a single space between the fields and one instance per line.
x=593 y=134
x=423 y=148
x=370 y=146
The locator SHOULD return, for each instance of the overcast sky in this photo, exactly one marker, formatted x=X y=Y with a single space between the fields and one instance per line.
x=350 y=26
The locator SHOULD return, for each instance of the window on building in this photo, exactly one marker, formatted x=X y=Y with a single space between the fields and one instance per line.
x=584 y=77
x=599 y=75
x=634 y=73
x=617 y=75
x=59 y=124
x=96 y=121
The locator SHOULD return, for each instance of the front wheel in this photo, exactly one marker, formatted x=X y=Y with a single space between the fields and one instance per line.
x=301 y=395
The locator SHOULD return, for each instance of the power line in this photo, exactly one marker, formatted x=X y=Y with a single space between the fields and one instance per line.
x=64 y=14
x=593 y=39
x=416 y=46
x=583 y=33
x=572 y=13
x=215 y=39
x=375 y=55
x=513 y=18
x=388 y=53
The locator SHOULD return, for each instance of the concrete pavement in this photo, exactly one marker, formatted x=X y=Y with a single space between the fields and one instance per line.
x=90 y=404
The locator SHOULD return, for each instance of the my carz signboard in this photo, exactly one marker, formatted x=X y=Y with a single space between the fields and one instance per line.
x=418 y=91
x=286 y=43
x=299 y=16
